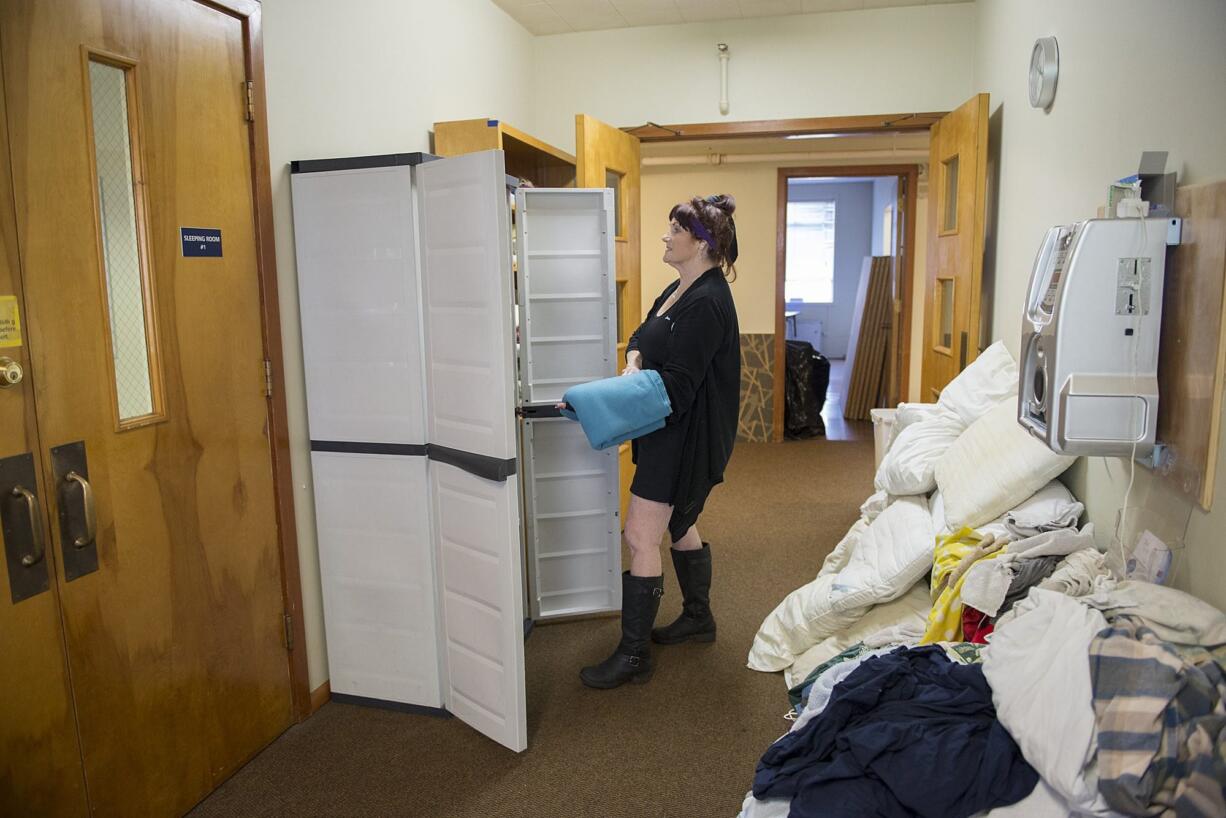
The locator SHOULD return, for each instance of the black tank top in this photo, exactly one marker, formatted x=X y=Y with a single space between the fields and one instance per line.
x=653 y=341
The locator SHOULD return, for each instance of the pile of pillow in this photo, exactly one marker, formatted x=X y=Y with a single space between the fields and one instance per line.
x=981 y=469
x=970 y=446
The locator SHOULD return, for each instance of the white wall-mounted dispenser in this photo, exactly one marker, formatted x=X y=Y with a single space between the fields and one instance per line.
x=1092 y=322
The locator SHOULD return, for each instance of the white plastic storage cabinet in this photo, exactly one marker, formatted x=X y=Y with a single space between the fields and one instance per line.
x=447 y=489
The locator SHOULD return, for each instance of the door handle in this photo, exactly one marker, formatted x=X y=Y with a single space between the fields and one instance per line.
x=962 y=354
x=88 y=511
x=38 y=545
x=77 y=510
x=10 y=373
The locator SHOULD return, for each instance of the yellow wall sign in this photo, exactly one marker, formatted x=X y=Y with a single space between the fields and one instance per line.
x=10 y=322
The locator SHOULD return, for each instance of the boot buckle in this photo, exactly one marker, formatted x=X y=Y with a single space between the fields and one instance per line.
x=657 y=592
x=635 y=661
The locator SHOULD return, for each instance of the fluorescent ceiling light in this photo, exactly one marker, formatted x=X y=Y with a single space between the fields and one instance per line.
x=831 y=135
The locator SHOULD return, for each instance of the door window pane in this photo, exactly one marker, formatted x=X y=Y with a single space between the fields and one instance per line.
x=122 y=260
x=950 y=192
x=945 y=311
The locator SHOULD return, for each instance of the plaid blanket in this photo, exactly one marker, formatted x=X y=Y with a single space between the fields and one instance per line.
x=1161 y=715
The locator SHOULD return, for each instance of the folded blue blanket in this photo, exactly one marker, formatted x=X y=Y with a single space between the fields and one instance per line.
x=614 y=410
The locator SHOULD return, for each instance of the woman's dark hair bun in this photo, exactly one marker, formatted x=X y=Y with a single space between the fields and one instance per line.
x=724 y=202
x=710 y=219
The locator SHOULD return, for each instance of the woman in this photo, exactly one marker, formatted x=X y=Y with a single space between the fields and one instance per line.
x=691 y=338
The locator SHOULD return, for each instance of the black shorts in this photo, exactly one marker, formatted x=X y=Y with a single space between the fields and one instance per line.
x=657 y=466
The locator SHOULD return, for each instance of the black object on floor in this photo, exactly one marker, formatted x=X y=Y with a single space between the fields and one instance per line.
x=806 y=381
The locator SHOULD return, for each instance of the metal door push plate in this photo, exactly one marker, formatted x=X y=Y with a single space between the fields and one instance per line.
x=23 y=524
x=75 y=503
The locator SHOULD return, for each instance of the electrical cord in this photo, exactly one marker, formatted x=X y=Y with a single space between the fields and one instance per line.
x=1121 y=523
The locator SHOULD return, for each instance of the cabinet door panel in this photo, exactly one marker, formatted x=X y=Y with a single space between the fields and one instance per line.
x=355 y=244
x=476 y=529
x=466 y=290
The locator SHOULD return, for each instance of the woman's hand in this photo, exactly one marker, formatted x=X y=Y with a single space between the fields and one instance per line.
x=634 y=362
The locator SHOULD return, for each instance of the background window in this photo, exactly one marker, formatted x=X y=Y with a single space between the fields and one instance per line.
x=809 y=263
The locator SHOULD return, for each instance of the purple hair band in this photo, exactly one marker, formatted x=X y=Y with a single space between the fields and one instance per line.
x=700 y=230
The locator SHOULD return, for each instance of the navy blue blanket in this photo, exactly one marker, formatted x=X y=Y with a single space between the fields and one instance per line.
x=909 y=733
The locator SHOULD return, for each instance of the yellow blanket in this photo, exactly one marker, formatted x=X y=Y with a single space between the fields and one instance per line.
x=954 y=553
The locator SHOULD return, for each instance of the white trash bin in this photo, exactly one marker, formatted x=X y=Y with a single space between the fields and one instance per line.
x=883 y=431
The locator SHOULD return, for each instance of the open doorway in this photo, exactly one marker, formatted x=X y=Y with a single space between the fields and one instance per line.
x=844 y=269
x=733 y=159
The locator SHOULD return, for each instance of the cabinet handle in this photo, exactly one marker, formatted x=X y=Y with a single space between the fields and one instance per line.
x=37 y=543
x=89 y=512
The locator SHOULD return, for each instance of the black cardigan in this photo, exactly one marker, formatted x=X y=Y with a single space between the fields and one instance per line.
x=703 y=378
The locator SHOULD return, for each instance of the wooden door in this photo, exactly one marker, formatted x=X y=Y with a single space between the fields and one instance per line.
x=126 y=124
x=953 y=290
x=609 y=157
x=40 y=760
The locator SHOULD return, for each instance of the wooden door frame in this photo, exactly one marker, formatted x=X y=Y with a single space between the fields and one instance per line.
x=250 y=14
x=867 y=124
x=864 y=124
x=908 y=179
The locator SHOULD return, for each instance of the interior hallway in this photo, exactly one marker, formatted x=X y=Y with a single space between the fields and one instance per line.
x=684 y=745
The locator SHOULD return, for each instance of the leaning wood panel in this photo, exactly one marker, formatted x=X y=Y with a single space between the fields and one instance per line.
x=869 y=368
x=1192 y=356
x=877 y=336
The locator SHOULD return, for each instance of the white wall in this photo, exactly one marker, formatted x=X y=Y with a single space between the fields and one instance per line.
x=853 y=232
x=862 y=62
x=1134 y=75
x=369 y=77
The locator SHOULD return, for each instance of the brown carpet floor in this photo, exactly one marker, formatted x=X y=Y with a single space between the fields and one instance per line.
x=684 y=745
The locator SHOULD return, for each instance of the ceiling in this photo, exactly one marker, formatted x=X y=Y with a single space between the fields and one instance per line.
x=563 y=16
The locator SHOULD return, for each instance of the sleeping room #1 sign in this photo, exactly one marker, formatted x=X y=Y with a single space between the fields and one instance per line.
x=201 y=242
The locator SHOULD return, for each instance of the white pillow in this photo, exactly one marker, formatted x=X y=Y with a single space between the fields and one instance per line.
x=908 y=413
x=1052 y=505
x=909 y=466
x=993 y=467
x=991 y=378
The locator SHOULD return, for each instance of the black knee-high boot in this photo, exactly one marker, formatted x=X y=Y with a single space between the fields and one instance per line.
x=696 y=622
x=631 y=662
